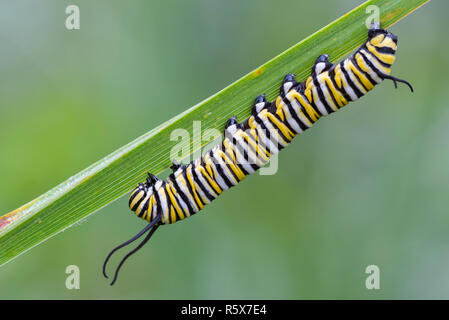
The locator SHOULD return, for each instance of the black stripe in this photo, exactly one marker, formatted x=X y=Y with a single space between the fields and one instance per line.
x=236 y=158
x=167 y=200
x=183 y=196
x=202 y=187
x=189 y=187
x=312 y=103
x=167 y=189
x=139 y=202
x=304 y=111
x=220 y=171
x=245 y=154
x=357 y=66
x=301 y=124
x=257 y=143
x=267 y=131
x=259 y=137
x=359 y=80
x=371 y=65
x=133 y=195
x=230 y=169
x=144 y=208
x=277 y=129
x=262 y=126
x=386 y=65
x=342 y=89
x=207 y=180
x=356 y=90
x=321 y=96
x=285 y=121
x=334 y=100
x=157 y=201
x=384 y=50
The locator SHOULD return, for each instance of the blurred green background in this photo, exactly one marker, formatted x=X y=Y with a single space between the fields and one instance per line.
x=367 y=186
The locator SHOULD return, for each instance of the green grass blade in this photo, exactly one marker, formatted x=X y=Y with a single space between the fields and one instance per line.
x=116 y=174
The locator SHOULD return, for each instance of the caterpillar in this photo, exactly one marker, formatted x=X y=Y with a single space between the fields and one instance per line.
x=248 y=146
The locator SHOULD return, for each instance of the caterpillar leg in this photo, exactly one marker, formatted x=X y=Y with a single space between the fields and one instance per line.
x=231 y=121
x=259 y=103
x=288 y=83
x=321 y=65
x=152 y=179
x=175 y=165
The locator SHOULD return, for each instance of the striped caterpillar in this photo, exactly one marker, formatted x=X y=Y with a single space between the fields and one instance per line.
x=247 y=146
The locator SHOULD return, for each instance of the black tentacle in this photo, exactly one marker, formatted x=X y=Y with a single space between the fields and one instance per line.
x=137 y=236
x=394 y=79
x=152 y=231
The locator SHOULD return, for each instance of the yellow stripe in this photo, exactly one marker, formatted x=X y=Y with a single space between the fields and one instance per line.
x=361 y=76
x=337 y=77
x=341 y=101
x=354 y=79
x=258 y=149
x=184 y=211
x=284 y=129
x=264 y=117
x=188 y=194
x=149 y=212
x=192 y=184
x=252 y=122
x=234 y=168
x=174 y=201
x=304 y=103
x=362 y=64
x=229 y=149
x=308 y=91
x=386 y=58
x=137 y=198
x=279 y=108
x=172 y=214
x=212 y=182
x=208 y=172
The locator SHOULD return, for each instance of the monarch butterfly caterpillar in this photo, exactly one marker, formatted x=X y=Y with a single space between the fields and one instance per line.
x=271 y=127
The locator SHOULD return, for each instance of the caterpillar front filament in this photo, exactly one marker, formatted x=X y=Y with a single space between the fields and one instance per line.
x=248 y=146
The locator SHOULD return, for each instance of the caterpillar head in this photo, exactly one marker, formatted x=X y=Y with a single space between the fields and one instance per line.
x=383 y=45
x=382 y=38
x=137 y=196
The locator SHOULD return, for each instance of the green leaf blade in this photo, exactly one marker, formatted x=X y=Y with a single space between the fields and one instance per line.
x=112 y=177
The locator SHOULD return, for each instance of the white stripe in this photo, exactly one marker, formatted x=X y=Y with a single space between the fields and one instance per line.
x=218 y=177
x=295 y=104
x=224 y=168
x=372 y=73
x=354 y=78
x=204 y=182
x=323 y=87
x=198 y=189
x=291 y=121
x=163 y=201
x=264 y=141
x=347 y=87
x=185 y=190
x=317 y=101
x=252 y=156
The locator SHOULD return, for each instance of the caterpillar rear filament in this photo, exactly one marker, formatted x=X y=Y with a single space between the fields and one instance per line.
x=248 y=146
